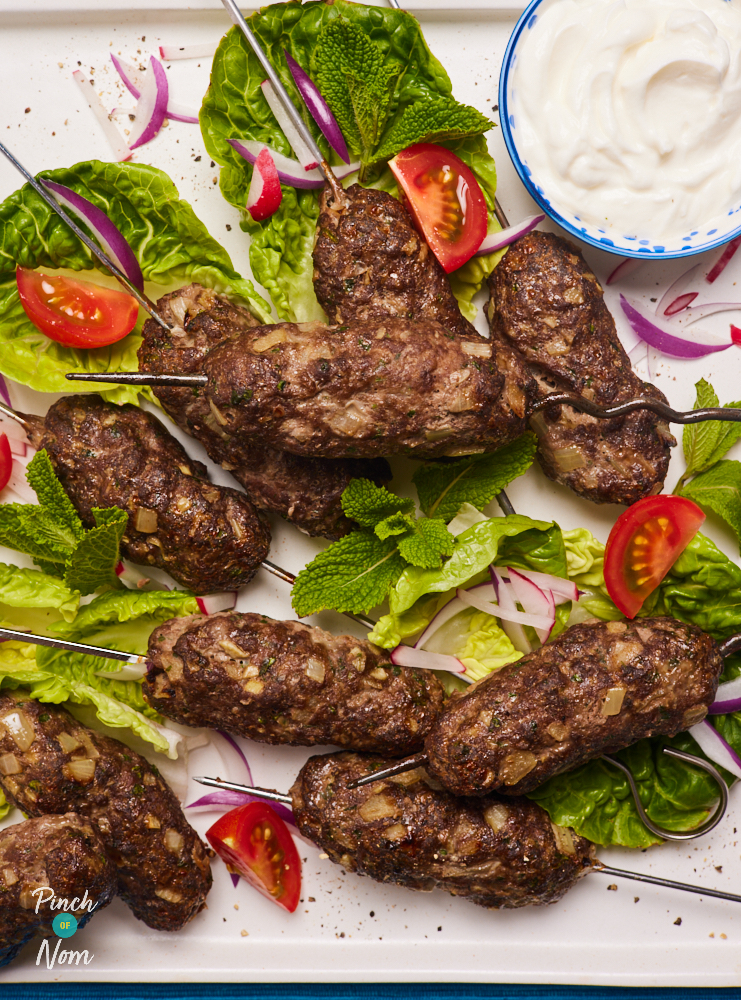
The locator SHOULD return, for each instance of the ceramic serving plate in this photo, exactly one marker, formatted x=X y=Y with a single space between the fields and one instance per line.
x=349 y=928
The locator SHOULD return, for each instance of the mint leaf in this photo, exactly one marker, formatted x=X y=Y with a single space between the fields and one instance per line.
x=43 y=481
x=706 y=443
x=397 y=524
x=93 y=561
x=354 y=574
x=719 y=489
x=443 y=487
x=439 y=119
x=429 y=543
x=17 y=531
x=369 y=504
x=357 y=84
x=56 y=540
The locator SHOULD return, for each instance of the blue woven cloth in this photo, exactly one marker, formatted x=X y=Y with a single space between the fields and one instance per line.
x=366 y=991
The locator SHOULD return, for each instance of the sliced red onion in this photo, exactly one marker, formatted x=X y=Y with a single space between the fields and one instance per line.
x=226 y=797
x=318 y=108
x=705 y=309
x=19 y=484
x=212 y=603
x=727 y=698
x=132 y=576
x=151 y=109
x=562 y=590
x=660 y=336
x=4 y=394
x=681 y=303
x=638 y=353
x=172 y=52
x=476 y=598
x=505 y=599
x=265 y=194
x=108 y=235
x=723 y=261
x=624 y=269
x=715 y=747
x=410 y=656
x=495 y=241
x=238 y=750
x=303 y=154
x=114 y=137
x=534 y=600
x=448 y=611
x=676 y=289
x=290 y=171
x=134 y=82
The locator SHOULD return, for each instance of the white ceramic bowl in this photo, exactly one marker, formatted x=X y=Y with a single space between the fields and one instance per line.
x=697 y=240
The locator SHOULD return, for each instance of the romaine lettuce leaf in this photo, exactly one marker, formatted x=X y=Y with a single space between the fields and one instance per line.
x=234 y=108
x=121 y=619
x=169 y=241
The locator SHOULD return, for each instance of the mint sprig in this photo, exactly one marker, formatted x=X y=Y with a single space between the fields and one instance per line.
x=360 y=87
x=709 y=480
x=55 y=537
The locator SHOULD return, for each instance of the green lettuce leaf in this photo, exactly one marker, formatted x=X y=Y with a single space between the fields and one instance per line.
x=234 y=107
x=30 y=599
x=169 y=241
x=121 y=620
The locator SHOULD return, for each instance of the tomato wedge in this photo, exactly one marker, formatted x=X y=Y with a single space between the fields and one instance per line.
x=445 y=200
x=6 y=461
x=255 y=841
x=644 y=544
x=76 y=313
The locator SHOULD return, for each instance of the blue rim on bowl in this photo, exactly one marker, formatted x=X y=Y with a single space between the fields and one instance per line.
x=697 y=241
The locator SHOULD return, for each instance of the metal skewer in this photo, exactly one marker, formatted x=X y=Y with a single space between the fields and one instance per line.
x=288 y=106
x=726 y=413
x=598 y=866
x=70 y=647
x=94 y=249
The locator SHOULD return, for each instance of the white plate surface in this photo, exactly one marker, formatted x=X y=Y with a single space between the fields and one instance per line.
x=349 y=928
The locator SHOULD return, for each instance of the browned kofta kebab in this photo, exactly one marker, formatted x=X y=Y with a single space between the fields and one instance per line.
x=207 y=537
x=596 y=688
x=305 y=491
x=51 y=764
x=45 y=859
x=288 y=683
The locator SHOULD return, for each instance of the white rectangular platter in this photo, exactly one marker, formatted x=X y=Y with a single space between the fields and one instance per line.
x=349 y=929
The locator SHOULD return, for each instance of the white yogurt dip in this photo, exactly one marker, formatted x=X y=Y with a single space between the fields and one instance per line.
x=628 y=112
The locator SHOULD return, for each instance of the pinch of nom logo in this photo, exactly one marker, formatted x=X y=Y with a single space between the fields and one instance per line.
x=64 y=926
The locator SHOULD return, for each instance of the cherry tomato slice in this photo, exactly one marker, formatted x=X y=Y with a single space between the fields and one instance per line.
x=76 y=313
x=255 y=841
x=644 y=544
x=445 y=200
x=6 y=461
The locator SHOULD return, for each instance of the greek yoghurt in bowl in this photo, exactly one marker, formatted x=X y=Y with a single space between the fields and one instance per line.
x=623 y=119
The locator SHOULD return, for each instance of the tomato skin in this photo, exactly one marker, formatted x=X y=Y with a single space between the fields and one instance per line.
x=445 y=200
x=255 y=841
x=6 y=461
x=76 y=313
x=645 y=542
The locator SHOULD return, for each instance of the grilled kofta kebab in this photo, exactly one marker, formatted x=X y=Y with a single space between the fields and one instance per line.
x=408 y=831
x=208 y=538
x=61 y=855
x=51 y=763
x=547 y=305
x=289 y=683
x=306 y=491
x=596 y=688
x=370 y=262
